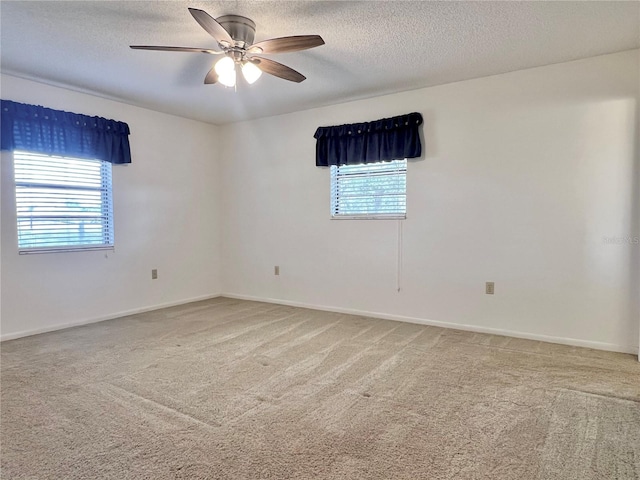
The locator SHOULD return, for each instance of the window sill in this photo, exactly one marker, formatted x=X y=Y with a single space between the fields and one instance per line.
x=32 y=251
x=369 y=217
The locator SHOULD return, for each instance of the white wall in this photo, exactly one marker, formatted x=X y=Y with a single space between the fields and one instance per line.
x=523 y=176
x=166 y=209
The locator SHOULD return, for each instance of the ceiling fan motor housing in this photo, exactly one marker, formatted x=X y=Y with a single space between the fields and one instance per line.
x=241 y=29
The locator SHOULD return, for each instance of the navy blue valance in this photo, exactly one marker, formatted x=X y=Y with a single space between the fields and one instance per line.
x=54 y=132
x=382 y=140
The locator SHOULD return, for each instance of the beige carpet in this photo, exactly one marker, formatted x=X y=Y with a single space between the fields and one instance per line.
x=229 y=389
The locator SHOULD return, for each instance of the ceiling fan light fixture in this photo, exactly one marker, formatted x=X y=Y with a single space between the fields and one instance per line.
x=226 y=70
x=234 y=35
x=250 y=72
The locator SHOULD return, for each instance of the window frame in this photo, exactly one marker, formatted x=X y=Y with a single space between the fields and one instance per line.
x=105 y=215
x=335 y=195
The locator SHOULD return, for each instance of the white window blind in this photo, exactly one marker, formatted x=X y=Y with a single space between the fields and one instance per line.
x=62 y=203
x=374 y=190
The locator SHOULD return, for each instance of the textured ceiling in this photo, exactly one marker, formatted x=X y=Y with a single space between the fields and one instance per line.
x=372 y=48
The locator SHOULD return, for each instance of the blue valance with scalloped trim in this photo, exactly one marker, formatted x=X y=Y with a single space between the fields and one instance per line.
x=382 y=140
x=34 y=128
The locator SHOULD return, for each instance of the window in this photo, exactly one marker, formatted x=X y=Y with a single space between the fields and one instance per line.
x=373 y=190
x=62 y=203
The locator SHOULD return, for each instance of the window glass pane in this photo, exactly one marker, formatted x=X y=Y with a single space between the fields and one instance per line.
x=62 y=203
x=376 y=190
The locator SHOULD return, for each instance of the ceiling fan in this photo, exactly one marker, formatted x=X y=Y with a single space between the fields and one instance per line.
x=234 y=35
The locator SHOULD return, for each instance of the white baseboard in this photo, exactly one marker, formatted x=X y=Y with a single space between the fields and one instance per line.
x=632 y=349
x=111 y=316
x=612 y=347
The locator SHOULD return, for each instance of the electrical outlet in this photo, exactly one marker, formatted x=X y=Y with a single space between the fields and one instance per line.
x=489 y=288
x=276 y=270
x=154 y=274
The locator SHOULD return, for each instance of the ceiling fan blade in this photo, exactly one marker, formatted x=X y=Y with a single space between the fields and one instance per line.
x=175 y=49
x=212 y=27
x=277 y=69
x=287 y=44
x=212 y=77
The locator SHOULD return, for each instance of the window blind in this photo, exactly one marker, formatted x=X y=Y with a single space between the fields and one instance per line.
x=62 y=203
x=373 y=190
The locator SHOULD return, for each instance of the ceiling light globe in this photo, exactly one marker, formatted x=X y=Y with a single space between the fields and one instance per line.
x=224 y=66
x=250 y=72
x=228 y=79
